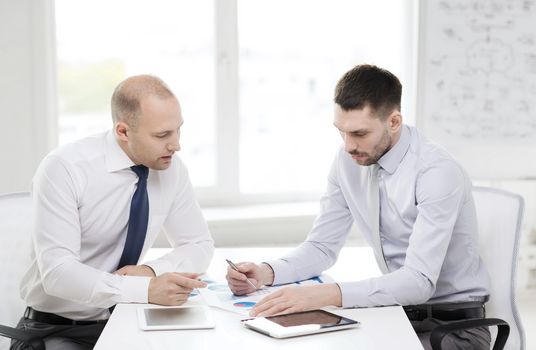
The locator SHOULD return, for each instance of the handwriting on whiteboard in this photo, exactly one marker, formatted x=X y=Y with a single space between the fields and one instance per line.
x=479 y=78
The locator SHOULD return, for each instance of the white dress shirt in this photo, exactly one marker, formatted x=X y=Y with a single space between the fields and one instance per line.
x=428 y=228
x=81 y=203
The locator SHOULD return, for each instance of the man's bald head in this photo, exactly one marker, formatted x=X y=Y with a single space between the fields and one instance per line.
x=127 y=96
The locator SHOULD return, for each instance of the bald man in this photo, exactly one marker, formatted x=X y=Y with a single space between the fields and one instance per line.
x=99 y=204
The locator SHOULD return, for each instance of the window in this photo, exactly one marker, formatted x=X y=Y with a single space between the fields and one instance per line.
x=102 y=42
x=255 y=80
x=292 y=54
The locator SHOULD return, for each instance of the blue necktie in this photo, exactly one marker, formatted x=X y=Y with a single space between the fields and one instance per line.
x=137 y=222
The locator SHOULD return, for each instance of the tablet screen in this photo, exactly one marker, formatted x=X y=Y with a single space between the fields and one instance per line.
x=320 y=317
x=177 y=317
x=300 y=323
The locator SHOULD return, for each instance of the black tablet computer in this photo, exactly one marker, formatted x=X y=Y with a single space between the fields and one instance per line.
x=300 y=323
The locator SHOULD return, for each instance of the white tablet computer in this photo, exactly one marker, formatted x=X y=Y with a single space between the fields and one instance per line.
x=177 y=317
x=300 y=323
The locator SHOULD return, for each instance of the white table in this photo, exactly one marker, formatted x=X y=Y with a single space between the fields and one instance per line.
x=382 y=328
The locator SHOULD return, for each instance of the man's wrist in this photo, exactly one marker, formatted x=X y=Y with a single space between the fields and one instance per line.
x=149 y=269
x=336 y=295
x=267 y=274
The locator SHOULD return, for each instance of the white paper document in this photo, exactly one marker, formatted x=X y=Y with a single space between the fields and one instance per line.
x=218 y=294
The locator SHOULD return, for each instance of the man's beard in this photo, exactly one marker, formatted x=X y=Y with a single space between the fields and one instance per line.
x=382 y=147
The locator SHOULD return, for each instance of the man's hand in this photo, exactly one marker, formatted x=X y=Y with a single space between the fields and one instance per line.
x=135 y=270
x=259 y=275
x=298 y=298
x=173 y=288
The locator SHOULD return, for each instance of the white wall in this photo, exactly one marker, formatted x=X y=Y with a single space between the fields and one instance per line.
x=27 y=91
x=263 y=225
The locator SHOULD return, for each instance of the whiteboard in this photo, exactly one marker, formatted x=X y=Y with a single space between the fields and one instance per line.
x=477 y=83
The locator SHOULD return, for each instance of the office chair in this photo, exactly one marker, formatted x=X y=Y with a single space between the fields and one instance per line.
x=499 y=216
x=15 y=247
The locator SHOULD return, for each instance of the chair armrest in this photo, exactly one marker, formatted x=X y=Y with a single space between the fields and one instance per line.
x=31 y=339
x=503 y=330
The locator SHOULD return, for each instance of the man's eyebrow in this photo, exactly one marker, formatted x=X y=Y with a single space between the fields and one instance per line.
x=166 y=131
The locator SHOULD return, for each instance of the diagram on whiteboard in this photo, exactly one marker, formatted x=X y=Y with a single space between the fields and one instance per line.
x=479 y=71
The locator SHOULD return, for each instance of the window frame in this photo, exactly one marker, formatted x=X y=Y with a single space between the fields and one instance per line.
x=226 y=190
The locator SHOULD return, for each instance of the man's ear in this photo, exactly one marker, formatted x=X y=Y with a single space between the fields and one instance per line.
x=395 y=121
x=121 y=131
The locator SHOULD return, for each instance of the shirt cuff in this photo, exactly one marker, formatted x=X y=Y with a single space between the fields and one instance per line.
x=283 y=273
x=355 y=294
x=160 y=266
x=135 y=289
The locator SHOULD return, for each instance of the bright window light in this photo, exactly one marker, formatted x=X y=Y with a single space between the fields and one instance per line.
x=255 y=80
x=99 y=43
x=291 y=55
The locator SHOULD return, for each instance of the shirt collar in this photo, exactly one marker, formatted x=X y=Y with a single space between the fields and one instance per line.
x=390 y=160
x=116 y=158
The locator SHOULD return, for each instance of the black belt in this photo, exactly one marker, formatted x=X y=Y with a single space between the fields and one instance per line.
x=54 y=319
x=446 y=312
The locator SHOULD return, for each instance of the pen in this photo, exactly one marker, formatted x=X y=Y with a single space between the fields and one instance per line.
x=234 y=267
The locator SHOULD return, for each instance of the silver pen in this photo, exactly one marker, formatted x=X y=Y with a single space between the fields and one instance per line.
x=234 y=267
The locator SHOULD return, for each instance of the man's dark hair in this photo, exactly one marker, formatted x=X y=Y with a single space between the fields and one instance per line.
x=368 y=85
